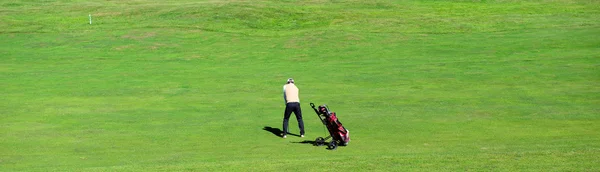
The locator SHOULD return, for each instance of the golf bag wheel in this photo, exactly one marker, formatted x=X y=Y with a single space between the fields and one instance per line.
x=332 y=145
x=320 y=141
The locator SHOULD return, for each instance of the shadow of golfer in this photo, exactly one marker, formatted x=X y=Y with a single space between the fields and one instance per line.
x=276 y=131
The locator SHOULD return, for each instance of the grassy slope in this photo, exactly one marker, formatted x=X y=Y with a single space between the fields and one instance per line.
x=175 y=85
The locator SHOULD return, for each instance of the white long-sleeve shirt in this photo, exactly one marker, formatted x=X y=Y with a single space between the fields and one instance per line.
x=290 y=93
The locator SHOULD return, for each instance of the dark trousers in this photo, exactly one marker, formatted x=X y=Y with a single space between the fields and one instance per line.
x=289 y=108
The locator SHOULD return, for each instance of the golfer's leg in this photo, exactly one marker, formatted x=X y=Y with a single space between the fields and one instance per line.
x=286 y=119
x=298 y=113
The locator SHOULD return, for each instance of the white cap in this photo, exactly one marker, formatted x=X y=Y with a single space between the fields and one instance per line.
x=290 y=80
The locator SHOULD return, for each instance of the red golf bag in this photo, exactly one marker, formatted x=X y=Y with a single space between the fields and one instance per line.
x=337 y=132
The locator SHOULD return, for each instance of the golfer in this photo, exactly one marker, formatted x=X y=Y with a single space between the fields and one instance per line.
x=292 y=104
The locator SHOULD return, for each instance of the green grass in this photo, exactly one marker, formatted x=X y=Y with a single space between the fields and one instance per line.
x=189 y=85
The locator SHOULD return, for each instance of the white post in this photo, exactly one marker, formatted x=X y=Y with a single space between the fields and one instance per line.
x=90 y=18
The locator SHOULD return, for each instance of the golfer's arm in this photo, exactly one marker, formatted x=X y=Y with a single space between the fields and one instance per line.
x=284 y=97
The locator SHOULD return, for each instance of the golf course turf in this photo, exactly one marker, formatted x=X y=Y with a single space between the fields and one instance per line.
x=196 y=85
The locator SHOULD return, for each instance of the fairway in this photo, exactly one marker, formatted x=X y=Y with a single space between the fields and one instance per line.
x=184 y=85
